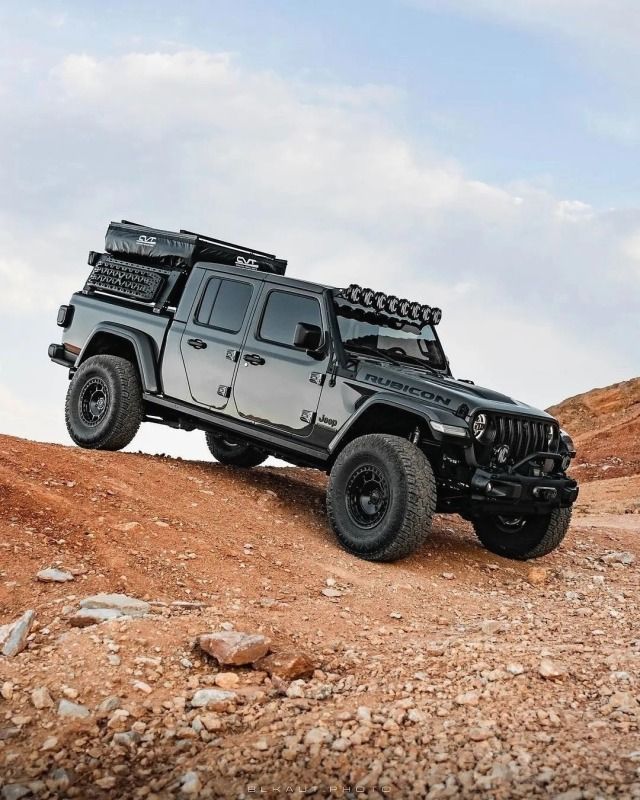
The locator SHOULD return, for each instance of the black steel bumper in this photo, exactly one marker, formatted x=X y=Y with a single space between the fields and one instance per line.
x=513 y=493
x=59 y=355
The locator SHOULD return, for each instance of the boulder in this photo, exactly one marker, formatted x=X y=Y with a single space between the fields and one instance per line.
x=53 y=575
x=41 y=698
x=287 y=665
x=67 y=708
x=13 y=637
x=234 y=647
x=227 y=680
x=216 y=699
x=551 y=669
x=93 y=616
x=129 y=606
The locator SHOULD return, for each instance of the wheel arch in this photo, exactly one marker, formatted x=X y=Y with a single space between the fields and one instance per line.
x=111 y=338
x=383 y=415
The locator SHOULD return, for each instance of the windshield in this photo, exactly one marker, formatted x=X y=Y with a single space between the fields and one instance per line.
x=374 y=333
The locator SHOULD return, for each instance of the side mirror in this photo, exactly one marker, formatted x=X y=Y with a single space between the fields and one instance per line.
x=307 y=337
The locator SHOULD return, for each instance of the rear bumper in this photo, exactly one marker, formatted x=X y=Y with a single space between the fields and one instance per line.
x=59 y=355
x=511 y=493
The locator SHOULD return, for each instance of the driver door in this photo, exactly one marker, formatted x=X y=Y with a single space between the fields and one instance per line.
x=278 y=384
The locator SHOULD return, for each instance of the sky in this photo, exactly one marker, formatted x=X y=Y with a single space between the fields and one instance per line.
x=481 y=156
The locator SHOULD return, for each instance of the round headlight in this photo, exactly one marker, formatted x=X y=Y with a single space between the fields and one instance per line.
x=479 y=426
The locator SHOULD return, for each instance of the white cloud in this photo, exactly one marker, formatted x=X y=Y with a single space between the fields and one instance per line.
x=321 y=175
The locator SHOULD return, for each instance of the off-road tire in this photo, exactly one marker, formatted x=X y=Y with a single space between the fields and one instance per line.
x=538 y=535
x=404 y=472
x=234 y=454
x=114 y=426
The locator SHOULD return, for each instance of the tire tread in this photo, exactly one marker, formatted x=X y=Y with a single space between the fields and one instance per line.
x=129 y=403
x=420 y=498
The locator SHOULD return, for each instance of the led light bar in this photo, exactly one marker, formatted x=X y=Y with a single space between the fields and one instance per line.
x=389 y=303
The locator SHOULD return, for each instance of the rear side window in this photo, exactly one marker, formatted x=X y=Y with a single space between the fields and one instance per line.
x=283 y=311
x=224 y=304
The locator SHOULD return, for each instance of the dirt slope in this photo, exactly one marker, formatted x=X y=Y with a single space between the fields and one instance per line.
x=605 y=426
x=432 y=675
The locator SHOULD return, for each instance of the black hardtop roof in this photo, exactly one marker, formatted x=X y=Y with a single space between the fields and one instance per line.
x=280 y=280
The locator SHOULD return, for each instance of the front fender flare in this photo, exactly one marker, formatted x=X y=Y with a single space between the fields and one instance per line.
x=143 y=347
x=392 y=400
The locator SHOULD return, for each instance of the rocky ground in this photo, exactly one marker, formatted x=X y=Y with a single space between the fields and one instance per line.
x=454 y=673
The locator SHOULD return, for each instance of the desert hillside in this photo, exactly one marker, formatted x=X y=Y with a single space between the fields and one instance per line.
x=454 y=673
x=605 y=426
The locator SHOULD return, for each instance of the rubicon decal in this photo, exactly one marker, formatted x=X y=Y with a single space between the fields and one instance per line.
x=387 y=383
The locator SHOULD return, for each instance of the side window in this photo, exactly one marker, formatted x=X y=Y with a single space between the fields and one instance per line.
x=224 y=304
x=283 y=311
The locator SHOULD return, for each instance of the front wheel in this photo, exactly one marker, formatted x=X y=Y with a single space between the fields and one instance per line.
x=234 y=454
x=381 y=497
x=523 y=537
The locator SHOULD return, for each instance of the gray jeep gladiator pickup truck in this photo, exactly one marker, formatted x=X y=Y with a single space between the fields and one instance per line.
x=195 y=333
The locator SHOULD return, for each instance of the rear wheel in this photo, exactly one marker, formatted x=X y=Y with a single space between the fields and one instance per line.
x=104 y=403
x=234 y=454
x=523 y=537
x=381 y=497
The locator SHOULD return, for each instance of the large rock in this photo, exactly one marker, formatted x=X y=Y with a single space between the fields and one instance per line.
x=53 y=575
x=216 y=699
x=67 y=708
x=551 y=669
x=624 y=558
x=41 y=698
x=287 y=665
x=235 y=647
x=93 y=616
x=129 y=606
x=13 y=637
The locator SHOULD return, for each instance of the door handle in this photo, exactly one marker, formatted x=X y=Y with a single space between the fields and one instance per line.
x=197 y=343
x=252 y=358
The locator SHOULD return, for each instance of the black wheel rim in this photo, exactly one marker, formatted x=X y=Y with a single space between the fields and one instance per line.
x=510 y=524
x=94 y=401
x=367 y=496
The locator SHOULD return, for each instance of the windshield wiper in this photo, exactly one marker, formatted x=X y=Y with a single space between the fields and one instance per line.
x=373 y=351
x=386 y=356
x=407 y=359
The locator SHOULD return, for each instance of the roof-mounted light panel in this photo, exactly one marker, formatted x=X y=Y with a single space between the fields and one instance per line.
x=400 y=308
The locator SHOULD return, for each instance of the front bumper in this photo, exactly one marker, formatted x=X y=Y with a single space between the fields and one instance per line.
x=511 y=492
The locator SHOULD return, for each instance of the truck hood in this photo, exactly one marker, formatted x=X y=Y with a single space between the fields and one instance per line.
x=443 y=391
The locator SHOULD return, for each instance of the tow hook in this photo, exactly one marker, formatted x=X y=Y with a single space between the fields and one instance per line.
x=545 y=492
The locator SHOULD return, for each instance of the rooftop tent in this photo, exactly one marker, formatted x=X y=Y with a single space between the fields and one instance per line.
x=153 y=247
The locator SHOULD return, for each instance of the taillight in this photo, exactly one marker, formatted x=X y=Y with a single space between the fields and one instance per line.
x=65 y=315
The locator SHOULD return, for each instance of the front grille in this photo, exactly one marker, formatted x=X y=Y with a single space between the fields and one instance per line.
x=523 y=436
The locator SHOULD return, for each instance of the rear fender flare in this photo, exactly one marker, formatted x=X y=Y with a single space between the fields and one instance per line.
x=143 y=347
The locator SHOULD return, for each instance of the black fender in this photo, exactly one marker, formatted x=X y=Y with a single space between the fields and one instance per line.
x=143 y=347
x=421 y=411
